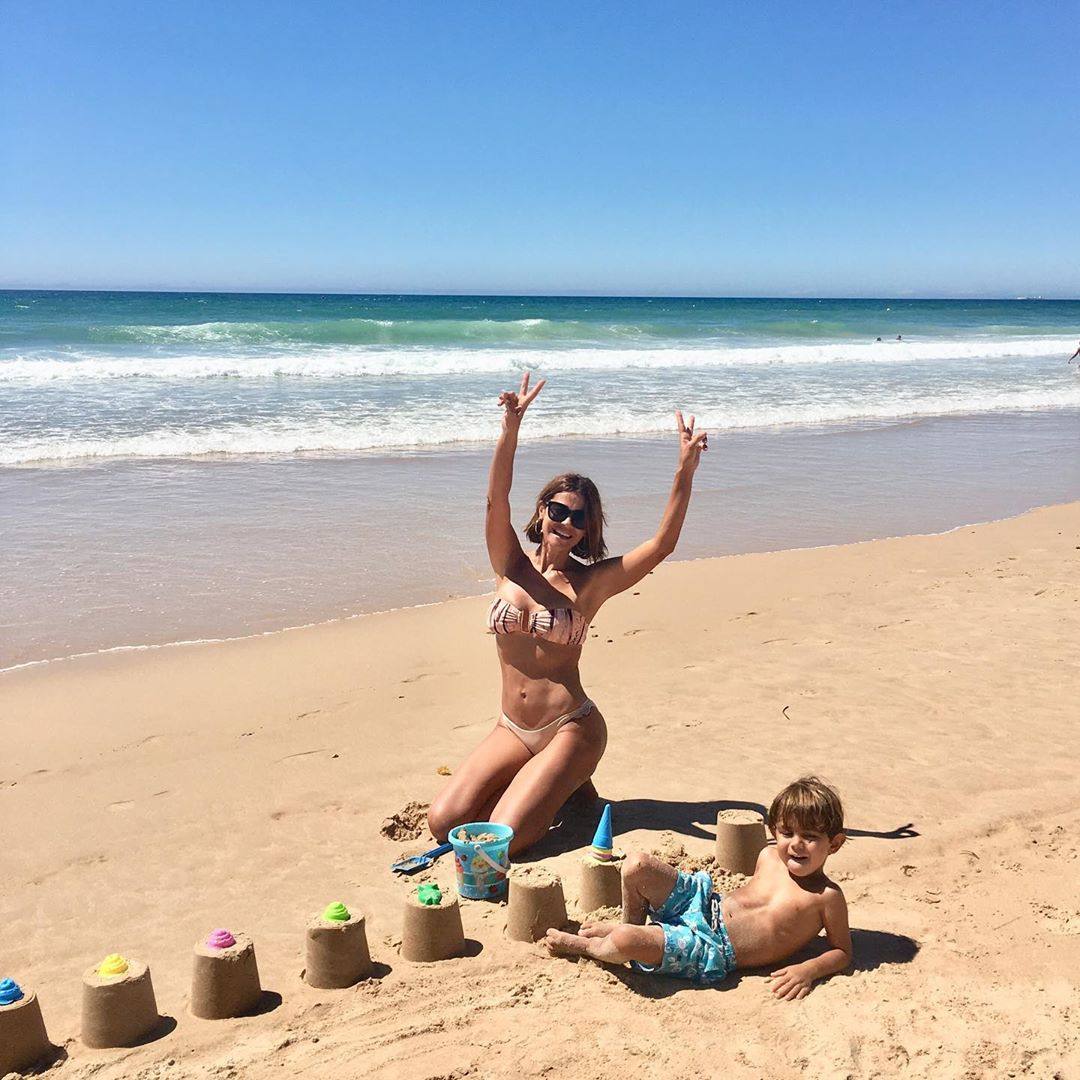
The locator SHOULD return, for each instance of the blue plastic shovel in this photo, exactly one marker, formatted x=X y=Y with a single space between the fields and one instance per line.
x=415 y=863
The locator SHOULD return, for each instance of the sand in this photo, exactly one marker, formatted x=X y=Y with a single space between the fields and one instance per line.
x=148 y=795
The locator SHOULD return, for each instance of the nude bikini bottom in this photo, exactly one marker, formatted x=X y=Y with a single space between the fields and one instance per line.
x=535 y=739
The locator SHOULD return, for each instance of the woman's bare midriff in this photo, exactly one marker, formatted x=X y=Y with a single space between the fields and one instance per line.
x=540 y=680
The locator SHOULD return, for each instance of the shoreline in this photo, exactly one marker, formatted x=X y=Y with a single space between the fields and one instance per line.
x=205 y=642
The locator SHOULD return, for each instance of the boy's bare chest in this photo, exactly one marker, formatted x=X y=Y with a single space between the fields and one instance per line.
x=773 y=891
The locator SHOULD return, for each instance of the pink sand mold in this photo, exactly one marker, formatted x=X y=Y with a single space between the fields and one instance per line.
x=225 y=977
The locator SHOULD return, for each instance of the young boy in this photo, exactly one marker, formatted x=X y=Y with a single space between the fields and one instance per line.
x=698 y=934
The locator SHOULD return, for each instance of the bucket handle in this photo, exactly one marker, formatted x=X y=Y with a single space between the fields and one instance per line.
x=488 y=859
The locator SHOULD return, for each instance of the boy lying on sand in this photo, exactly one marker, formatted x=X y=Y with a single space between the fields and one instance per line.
x=695 y=933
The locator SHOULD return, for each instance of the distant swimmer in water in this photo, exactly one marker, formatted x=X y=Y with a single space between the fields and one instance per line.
x=1075 y=354
x=879 y=339
x=899 y=338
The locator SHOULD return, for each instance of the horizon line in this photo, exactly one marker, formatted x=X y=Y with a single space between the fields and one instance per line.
x=529 y=296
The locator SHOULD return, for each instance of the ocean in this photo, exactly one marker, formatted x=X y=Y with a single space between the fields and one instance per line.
x=197 y=465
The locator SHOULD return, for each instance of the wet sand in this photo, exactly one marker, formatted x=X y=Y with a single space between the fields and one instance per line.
x=136 y=553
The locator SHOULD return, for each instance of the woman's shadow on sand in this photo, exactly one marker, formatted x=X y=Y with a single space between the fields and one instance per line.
x=576 y=822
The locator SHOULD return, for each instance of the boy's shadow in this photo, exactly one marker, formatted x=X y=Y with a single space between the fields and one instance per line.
x=576 y=822
x=872 y=949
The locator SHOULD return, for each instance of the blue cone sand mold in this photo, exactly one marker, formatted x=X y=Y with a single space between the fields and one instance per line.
x=601 y=870
x=602 y=841
x=10 y=992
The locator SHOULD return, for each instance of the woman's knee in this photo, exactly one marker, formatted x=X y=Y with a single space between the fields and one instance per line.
x=445 y=812
x=438 y=822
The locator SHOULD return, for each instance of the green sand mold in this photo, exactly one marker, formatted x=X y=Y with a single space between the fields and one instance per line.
x=337 y=912
x=429 y=894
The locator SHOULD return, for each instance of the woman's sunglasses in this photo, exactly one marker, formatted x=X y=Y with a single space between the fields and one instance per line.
x=559 y=512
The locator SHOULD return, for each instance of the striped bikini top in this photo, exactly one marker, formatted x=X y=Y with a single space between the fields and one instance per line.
x=564 y=626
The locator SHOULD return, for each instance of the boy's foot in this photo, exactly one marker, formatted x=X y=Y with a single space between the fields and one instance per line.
x=596 y=929
x=559 y=943
x=637 y=943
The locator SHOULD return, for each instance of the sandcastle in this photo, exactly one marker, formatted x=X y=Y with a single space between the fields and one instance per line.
x=536 y=903
x=432 y=929
x=23 y=1040
x=740 y=836
x=337 y=949
x=601 y=870
x=118 y=1004
x=225 y=978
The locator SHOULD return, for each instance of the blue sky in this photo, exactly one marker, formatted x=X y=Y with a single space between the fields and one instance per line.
x=843 y=149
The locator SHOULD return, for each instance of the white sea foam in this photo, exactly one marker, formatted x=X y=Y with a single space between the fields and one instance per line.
x=429 y=428
x=329 y=362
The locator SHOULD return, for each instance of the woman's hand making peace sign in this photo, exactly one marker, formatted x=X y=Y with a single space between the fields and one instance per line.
x=514 y=405
x=691 y=446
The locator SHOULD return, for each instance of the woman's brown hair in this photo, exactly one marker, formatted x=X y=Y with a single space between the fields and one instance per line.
x=591 y=547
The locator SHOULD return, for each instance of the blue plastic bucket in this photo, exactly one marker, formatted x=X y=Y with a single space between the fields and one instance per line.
x=481 y=865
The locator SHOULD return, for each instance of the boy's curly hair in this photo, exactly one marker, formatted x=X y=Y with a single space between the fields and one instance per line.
x=808 y=803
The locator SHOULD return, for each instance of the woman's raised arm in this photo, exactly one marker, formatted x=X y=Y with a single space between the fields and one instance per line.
x=614 y=575
x=504 y=548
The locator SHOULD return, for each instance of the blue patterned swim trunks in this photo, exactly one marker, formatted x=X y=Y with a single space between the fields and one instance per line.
x=696 y=942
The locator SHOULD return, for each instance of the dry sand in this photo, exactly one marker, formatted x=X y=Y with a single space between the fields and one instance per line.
x=147 y=796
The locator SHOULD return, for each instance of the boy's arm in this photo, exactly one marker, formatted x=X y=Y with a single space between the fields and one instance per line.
x=794 y=982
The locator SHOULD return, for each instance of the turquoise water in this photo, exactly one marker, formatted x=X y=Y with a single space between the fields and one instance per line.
x=186 y=466
x=51 y=319
x=168 y=375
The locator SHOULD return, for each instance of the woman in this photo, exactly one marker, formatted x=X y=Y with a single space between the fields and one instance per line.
x=550 y=737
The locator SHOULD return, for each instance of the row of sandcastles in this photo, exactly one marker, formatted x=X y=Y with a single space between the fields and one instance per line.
x=118 y=1003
